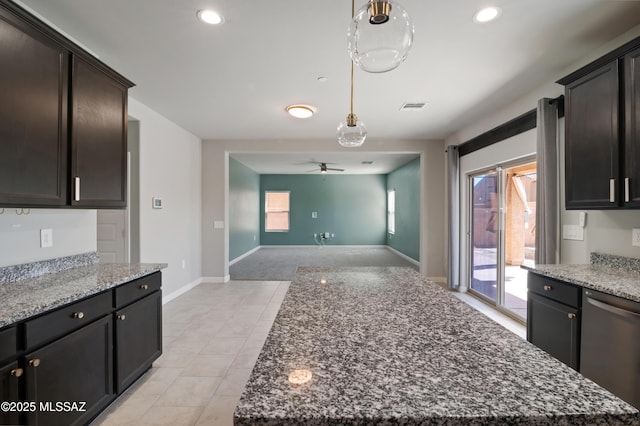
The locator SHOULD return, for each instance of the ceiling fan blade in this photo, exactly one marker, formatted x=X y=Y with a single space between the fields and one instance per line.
x=312 y=170
x=335 y=170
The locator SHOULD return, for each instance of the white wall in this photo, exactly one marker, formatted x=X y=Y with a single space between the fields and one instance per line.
x=74 y=232
x=170 y=168
x=215 y=195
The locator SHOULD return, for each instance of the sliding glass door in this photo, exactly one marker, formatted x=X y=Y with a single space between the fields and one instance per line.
x=502 y=234
x=485 y=234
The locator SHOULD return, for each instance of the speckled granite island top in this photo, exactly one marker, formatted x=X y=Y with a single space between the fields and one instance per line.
x=26 y=298
x=619 y=276
x=386 y=347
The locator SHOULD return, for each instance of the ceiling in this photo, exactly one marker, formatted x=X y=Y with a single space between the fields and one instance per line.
x=235 y=80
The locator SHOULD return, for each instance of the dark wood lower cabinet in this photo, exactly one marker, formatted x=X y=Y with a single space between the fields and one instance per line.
x=65 y=366
x=138 y=339
x=10 y=376
x=554 y=328
x=71 y=380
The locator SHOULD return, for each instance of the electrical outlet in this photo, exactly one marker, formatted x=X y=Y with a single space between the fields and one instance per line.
x=635 y=237
x=46 y=238
x=572 y=232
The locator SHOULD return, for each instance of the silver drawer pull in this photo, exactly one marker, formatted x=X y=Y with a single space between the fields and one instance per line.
x=626 y=190
x=17 y=372
x=547 y=288
x=78 y=315
x=76 y=192
x=571 y=316
x=612 y=190
x=144 y=287
x=34 y=362
x=122 y=317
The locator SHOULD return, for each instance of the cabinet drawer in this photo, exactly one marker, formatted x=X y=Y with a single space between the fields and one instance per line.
x=7 y=343
x=137 y=289
x=54 y=324
x=553 y=289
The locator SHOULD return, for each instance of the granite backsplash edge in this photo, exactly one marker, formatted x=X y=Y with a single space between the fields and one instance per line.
x=613 y=261
x=13 y=273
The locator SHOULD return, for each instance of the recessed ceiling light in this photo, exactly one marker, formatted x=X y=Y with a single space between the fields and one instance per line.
x=209 y=16
x=301 y=111
x=487 y=14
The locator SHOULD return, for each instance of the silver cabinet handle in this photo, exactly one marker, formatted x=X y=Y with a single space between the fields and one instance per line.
x=76 y=192
x=626 y=190
x=612 y=190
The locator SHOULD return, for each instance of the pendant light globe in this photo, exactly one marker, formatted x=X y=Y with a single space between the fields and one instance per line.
x=380 y=36
x=351 y=132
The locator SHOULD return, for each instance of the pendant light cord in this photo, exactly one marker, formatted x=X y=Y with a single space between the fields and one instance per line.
x=352 y=15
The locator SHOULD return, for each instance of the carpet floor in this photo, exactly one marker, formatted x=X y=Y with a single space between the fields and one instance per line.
x=280 y=263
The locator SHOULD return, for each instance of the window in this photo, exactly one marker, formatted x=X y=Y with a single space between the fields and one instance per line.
x=276 y=205
x=391 y=211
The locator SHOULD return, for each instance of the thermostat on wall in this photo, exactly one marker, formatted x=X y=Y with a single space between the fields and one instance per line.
x=157 y=202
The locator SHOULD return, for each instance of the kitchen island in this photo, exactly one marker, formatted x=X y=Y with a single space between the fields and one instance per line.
x=356 y=346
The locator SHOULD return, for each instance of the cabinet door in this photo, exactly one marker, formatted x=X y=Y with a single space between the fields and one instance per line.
x=33 y=116
x=632 y=129
x=138 y=338
x=592 y=140
x=98 y=139
x=554 y=328
x=10 y=375
x=74 y=369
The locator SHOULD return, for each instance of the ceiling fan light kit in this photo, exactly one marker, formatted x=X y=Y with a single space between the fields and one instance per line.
x=380 y=36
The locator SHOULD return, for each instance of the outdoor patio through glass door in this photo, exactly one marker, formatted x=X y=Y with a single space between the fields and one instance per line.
x=502 y=226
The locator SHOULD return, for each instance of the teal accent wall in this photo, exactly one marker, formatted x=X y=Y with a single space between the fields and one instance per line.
x=406 y=181
x=244 y=209
x=353 y=207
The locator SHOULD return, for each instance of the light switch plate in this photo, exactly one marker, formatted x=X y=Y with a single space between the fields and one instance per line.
x=572 y=232
x=635 y=237
x=218 y=224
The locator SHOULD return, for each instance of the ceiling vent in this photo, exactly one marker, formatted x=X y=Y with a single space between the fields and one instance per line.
x=413 y=106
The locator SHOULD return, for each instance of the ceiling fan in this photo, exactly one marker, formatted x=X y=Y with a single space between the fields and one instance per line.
x=323 y=169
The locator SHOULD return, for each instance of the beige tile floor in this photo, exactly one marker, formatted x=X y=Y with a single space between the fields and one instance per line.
x=212 y=338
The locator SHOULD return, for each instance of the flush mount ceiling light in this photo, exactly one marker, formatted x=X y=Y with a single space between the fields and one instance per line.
x=380 y=36
x=487 y=14
x=352 y=132
x=301 y=111
x=210 y=17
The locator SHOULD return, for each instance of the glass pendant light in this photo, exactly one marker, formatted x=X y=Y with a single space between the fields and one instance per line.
x=380 y=36
x=351 y=132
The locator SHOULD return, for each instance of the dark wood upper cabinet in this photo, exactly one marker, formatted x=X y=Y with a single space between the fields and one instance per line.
x=602 y=134
x=591 y=143
x=63 y=120
x=98 y=137
x=632 y=129
x=33 y=116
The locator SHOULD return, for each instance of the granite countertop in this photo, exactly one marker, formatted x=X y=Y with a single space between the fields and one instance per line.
x=386 y=346
x=618 y=276
x=32 y=296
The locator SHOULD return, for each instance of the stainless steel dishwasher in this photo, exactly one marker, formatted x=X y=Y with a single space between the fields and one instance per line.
x=610 y=344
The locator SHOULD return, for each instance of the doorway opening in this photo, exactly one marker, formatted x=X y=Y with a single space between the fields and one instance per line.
x=502 y=224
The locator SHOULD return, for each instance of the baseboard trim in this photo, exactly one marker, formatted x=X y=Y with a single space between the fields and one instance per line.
x=242 y=256
x=439 y=280
x=179 y=292
x=404 y=256
x=325 y=245
x=215 y=280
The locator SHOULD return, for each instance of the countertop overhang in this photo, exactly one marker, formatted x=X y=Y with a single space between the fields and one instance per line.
x=29 y=297
x=386 y=346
